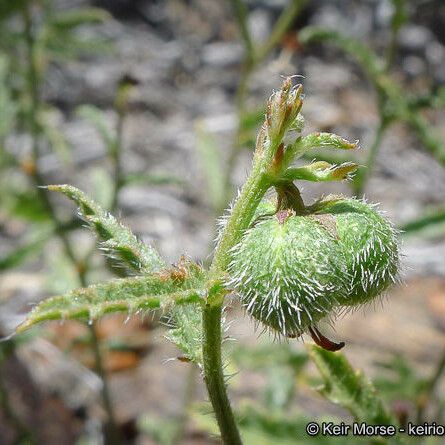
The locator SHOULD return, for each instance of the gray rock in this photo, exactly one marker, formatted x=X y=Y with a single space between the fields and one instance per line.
x=222 y=54
x=414 y=37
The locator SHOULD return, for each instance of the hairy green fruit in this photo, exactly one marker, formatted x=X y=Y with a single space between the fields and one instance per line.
x=370 y=247
x=293 y=270
x=288 y=271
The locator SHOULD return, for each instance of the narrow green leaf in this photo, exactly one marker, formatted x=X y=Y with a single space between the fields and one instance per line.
x=97 y=118
x=66 y=20
x=400 y=14
x=432 y=99
x=8 y=109
x=315 y=141
x=103 y=186
x=23 y=252
x=161 y=290
x=426 y=134
x=321 y=171
x=116 y=240
x=25 y=204
x=372 y=64
x=431 y=218
x=349 y=388
x=210 y=158
x=151 y=179
x=55 y=137
x=63 y=46
x=262 y=426
x=10 y=7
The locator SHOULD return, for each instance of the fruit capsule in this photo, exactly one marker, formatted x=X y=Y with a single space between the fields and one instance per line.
x=291 y=270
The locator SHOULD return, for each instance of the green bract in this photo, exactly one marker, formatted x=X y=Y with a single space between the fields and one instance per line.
x=293 y=270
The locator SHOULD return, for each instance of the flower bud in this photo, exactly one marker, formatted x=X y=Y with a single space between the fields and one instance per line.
x=282 y=109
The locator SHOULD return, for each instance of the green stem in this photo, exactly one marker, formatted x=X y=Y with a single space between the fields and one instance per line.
x=121 y=108
x=24 y=433
x=282 y=25
x=243 y=211
x=432 y=383
x=361 y=178
x=33 y=112
x=187 y=400
x=112 y=431
x=117 y=164
x=214 y=377
x=399 y=17
x=426 y=135
x=240 y=11
x=241 y=216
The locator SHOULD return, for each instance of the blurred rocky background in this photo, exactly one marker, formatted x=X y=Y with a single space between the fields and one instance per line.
x=185 y=61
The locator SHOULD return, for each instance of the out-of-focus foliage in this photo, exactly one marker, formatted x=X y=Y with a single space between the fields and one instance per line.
x=116 y=240
x=34 y=35
x=394 y=105
x=261 y=427
x=430 y=223
x=398 y=381
x=349 y=388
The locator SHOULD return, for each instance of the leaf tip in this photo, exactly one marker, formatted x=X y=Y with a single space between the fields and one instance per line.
x=24 y=326
x=62 y=188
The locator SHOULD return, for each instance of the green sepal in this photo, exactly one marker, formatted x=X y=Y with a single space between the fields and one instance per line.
x=325 y=140
x=321 y=171
x=314 y=141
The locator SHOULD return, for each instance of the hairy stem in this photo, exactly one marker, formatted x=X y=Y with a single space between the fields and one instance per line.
x=214 y=377
x=33 y=78
x=241 y=216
